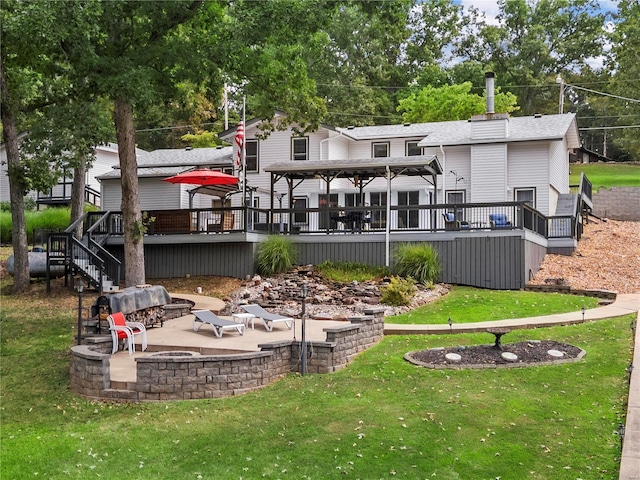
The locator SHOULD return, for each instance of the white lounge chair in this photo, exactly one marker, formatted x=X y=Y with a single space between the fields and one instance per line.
x=268 y=318
x=218 y=324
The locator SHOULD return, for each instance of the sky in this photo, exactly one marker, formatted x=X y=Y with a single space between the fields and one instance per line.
x=490 y=7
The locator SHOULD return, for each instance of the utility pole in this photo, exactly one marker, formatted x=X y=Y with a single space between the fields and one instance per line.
x=560 y=81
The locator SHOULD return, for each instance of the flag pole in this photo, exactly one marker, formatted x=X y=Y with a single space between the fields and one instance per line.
x=244 y=163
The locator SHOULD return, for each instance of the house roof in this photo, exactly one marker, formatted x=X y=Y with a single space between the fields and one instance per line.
x=145 y=172
x=410 y=166
x=171 y=161
x=187 y=157
x=521 y=129
x=230 y=133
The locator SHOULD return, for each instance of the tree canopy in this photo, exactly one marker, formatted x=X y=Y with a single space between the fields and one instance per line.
x=67 y=67
x=451 y=102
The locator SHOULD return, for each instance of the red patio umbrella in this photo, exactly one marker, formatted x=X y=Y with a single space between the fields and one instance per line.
x=203 y=177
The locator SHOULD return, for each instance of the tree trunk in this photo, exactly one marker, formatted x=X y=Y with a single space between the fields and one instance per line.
x=21 y=277
x=77 y=196
x=131 y=215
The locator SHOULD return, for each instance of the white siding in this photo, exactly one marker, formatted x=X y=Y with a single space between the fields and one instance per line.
x=486 y=129
x=458 y=160
x=104 y=162
x=361 y=149
x=559 y=166
x=337 y=148
x=154 y=195
x=488 y=173
x=277 y=149
x=528 y=167
x=111 y=193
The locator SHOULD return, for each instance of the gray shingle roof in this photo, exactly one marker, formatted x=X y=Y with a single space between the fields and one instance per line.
x=171 y=161
x=187 y=157
x=543 y=127
x=458 y=132
x=146 y=172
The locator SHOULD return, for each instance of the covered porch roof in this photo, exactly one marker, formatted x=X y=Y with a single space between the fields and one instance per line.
x=362 y=171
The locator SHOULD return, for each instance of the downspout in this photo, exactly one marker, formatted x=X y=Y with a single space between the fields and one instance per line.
x=388 y=226
x=326 y=140
x=444 y=176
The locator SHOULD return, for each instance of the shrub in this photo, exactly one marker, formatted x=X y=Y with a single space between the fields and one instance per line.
x=350 y=271
x=275 y=255
x=52 y=219
x=398 y=292
x=417 y=261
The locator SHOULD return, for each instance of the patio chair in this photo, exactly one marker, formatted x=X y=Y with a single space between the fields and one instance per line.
x=499 y=220
x=268 y=319
x=450 y=222
x=219 y=325
x=123 y=330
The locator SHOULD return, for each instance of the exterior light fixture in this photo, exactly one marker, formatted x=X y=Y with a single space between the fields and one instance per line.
x=583 y=310
x=621 y=430
x=450 y=324
x=303 y=346
x=79 y=289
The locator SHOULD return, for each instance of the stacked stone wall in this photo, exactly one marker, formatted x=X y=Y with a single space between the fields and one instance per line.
x=89 y=375
x=617 y=203
x=185 y=375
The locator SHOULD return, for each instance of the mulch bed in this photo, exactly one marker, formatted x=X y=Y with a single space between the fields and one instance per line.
x=530 y=353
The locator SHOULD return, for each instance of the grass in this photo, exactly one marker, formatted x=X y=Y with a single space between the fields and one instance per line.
x=350 y=271
x=48 y=219
x=380 y=417
x=606 y=174
x=468 y=305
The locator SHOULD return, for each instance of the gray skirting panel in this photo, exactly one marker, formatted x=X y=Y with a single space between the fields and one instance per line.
x=496 y=262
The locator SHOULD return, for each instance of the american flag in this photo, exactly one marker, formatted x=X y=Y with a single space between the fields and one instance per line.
x=240 y=143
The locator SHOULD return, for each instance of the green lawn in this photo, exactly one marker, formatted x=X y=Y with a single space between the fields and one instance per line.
x=380 y=417
x=606 y=175
x=468 y=305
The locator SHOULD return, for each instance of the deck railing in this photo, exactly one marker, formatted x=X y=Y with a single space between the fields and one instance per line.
x=368 y=219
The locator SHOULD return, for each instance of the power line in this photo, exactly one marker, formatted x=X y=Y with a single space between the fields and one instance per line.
x=568 y=85
x=609 y=128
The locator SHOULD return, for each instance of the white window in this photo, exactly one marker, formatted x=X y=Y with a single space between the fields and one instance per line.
x=408 y=218
x=456 y=197
x=300 y=148
x=412 y=149
x=300 y=215
x=380 y=150
x=527 y=195
x=251 y=155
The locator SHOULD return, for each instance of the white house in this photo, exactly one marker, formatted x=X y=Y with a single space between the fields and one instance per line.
x=489 y=158
x=106 y=156
x=154 y=167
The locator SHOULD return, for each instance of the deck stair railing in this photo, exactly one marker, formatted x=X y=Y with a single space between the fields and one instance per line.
x=85 y=257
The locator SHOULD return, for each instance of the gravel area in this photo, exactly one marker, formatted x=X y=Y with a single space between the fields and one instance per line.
x=607 y=258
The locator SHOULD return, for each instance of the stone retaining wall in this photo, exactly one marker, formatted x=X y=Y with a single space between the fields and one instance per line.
x=617 y=203
x=604 y=294
x=184 y=375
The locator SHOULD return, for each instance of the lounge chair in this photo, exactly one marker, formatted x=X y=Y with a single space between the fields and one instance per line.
x=268 y=318
x=123 y=330
x=218 y=324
